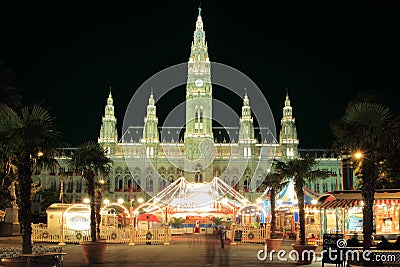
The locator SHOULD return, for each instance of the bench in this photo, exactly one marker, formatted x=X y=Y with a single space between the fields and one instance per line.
x=13 y=252
x=44 y=259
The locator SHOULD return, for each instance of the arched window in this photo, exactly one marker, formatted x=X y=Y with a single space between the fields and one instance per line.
x=198 y=177
x=120 y=184
x=246 y=184
x=130 y=186
x=162 y=184
x=149 y=183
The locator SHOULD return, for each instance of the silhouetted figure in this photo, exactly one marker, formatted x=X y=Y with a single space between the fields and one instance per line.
x=384 y=244
x=396 y=244
x=353 y=241
x=221 y=233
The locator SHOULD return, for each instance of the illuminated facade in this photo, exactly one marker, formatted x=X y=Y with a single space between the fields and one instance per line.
x=145 y=164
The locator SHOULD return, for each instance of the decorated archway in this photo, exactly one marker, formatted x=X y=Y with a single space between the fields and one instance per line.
x=114 y=214
x=252 y=213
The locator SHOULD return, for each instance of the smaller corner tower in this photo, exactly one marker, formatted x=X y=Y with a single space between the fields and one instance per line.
x=246 y=131
x=108 y=131
x=288 y=134
x=150 y=132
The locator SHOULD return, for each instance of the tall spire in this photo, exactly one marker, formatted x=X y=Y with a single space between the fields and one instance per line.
x=198 y=95
x=199 y=51
x=110 y=100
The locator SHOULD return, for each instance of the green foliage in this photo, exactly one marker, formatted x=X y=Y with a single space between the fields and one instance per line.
x=372 y=128
x=48 y=197
x=218 y=221
x=91 y=160
x=22 y=136
x=5 y=200
x=177 y=222
x=301 y=170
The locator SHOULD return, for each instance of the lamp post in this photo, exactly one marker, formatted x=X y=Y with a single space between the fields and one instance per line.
x=61 y=243
x=166 y=242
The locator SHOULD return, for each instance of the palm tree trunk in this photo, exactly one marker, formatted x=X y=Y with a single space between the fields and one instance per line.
x=98 y=216
x=90 y=180
x=273 y=215
x=368 y=192
x=25 y=182
x=300 y=203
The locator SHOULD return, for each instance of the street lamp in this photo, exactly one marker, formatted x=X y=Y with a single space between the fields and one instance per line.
x=86 y=200
x=347 y=169
x=358 y=155
x=106 y=202
x=120 y=201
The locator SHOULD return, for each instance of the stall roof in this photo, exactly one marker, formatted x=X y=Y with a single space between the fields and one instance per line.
x=351 y=198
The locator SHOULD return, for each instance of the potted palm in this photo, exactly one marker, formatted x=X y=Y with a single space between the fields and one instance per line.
x=302 y=169
x=274 y=182
x=91 y=159
x=27 y=138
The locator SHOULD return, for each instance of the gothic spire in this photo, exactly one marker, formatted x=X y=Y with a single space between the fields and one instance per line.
x=288 y=134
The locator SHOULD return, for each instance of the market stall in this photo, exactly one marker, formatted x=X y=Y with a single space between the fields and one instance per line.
x=342 y=212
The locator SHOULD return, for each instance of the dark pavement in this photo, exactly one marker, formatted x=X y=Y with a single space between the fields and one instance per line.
x=188 y=250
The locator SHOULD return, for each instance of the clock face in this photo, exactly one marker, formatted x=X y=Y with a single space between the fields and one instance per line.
x=198 y=83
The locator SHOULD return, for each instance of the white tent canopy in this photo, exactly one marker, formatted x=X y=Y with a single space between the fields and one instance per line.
x=195 y=197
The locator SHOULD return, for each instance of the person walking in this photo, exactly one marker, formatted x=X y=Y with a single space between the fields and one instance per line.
x=222 y=234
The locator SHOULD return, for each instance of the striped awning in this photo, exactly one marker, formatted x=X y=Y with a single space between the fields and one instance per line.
x=341 y=203
x=387 y=202
x=349 y=203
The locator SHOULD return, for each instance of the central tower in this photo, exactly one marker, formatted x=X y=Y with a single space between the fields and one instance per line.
x=198 y=133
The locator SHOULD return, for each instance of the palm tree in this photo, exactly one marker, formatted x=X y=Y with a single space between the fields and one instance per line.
x=302 y=170
x=22 y=137
x=91 y=159
x=274 y=182
x=371 y=128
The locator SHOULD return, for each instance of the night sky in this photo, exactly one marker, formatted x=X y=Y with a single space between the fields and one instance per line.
x=323 y=53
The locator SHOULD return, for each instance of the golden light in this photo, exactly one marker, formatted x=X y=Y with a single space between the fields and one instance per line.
x=120 y=201
x=101 y=181
x=40 y=154
x=140 y=200
x=314 y=201
x=358 y=155
x=259 y=200
x=106 y=201
x=86 y=200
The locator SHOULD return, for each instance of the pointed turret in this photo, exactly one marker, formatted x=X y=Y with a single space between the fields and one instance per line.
x=288 y=134
x=108 y=131
x=246 y=131
x=150 y=133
